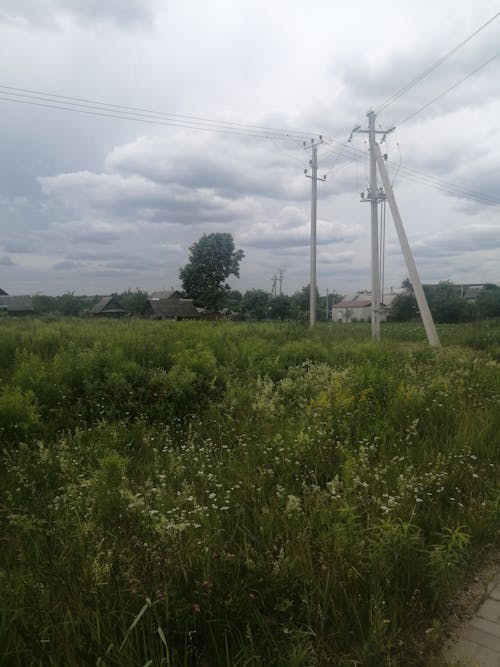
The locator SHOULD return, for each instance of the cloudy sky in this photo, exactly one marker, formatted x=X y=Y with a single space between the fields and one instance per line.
x=103 y=201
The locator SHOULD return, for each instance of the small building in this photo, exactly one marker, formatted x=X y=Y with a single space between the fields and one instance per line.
x=2 y=292
x=108 y=306
x=16 y=305
x=171 y=308
x=357 y=308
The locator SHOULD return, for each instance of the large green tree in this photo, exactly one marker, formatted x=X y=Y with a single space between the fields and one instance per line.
x=212 y=260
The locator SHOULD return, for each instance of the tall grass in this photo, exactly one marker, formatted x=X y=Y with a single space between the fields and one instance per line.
x=233 y=494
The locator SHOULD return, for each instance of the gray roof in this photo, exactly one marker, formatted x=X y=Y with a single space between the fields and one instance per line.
x=166 y=294
x=3 y=292
x=353 y=303
x=16 y=304
x=172 y=309
x=108 y=304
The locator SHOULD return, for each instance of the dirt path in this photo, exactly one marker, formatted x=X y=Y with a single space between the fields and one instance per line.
x=472 y=631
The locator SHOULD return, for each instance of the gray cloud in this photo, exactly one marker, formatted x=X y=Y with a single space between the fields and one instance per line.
x=68 y=266
x=5 y=260
x=49 y=12
x=109 y=201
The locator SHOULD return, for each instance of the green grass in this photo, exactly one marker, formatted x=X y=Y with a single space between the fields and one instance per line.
x=234 y=494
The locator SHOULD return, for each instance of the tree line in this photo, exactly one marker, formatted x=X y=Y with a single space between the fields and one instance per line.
x=447 y=303
x=214 y=258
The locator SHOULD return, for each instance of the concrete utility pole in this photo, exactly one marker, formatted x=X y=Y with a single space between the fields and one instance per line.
x=374 y=197
x=314 y=203
x=423 y=306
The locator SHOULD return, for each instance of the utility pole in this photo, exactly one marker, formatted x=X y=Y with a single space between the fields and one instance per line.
x=374 y=197
x=314 y=203
x=423 y=306
x=273 y=288
x=280 y=279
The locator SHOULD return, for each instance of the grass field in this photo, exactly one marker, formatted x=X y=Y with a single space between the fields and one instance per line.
x=226 y=494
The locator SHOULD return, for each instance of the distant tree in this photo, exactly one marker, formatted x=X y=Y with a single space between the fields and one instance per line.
x=43 y=304
x=446 y=303
x=232 y=300
x=488 y=301
x=403 y=307
x=133 y=302
x=212 y=260
x=406 y=284
x=256 y=303
x=300 y=303
x=69 y=304
x=280 y=307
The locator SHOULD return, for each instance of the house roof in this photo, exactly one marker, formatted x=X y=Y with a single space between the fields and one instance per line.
x=108 y=304
x=353 y=303
x=172 y=308
x=16 y=304
x=166 y=294
x=3 y=292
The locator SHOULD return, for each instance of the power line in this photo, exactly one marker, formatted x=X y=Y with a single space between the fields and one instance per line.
x=434 y=66
x=80 y=105
x=448 y=90
x=408 y=173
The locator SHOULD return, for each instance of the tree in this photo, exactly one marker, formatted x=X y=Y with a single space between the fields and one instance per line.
x=133 y=302
x=212 y=260
x=280 y=307
x=256 y=303
x=403 y=307
x=300 y=302
x=446 y=304
x=232 y=300
x=488 y=301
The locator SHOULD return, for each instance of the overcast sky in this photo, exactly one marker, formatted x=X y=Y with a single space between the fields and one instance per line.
x=94 y=204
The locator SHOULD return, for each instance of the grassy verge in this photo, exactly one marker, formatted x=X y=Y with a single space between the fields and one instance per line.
x=233 y=494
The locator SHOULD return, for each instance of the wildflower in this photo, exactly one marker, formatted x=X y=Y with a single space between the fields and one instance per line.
x=292 y=505
x=196 y=607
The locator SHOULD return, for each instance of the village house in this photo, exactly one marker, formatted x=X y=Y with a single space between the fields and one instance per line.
x=170 y=306
x=15 y=305
x=108 y=306
x=357 y=308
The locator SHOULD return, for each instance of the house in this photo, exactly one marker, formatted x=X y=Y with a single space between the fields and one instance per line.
x=108 y=306
x=171 y=308
x=2 y=292
x=357 y=308
x=16 y=305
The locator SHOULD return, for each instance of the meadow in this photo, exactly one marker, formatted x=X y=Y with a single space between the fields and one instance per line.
x=232 y=494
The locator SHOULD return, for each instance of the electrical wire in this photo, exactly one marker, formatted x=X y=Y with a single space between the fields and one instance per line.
x=434 y=66
x=448 y=90
x=137 y=114
x=407 y=173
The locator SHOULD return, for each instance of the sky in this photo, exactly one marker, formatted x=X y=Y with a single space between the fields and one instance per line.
x=94 y=204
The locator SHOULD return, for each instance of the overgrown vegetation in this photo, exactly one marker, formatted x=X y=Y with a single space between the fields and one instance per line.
x=233 y=494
